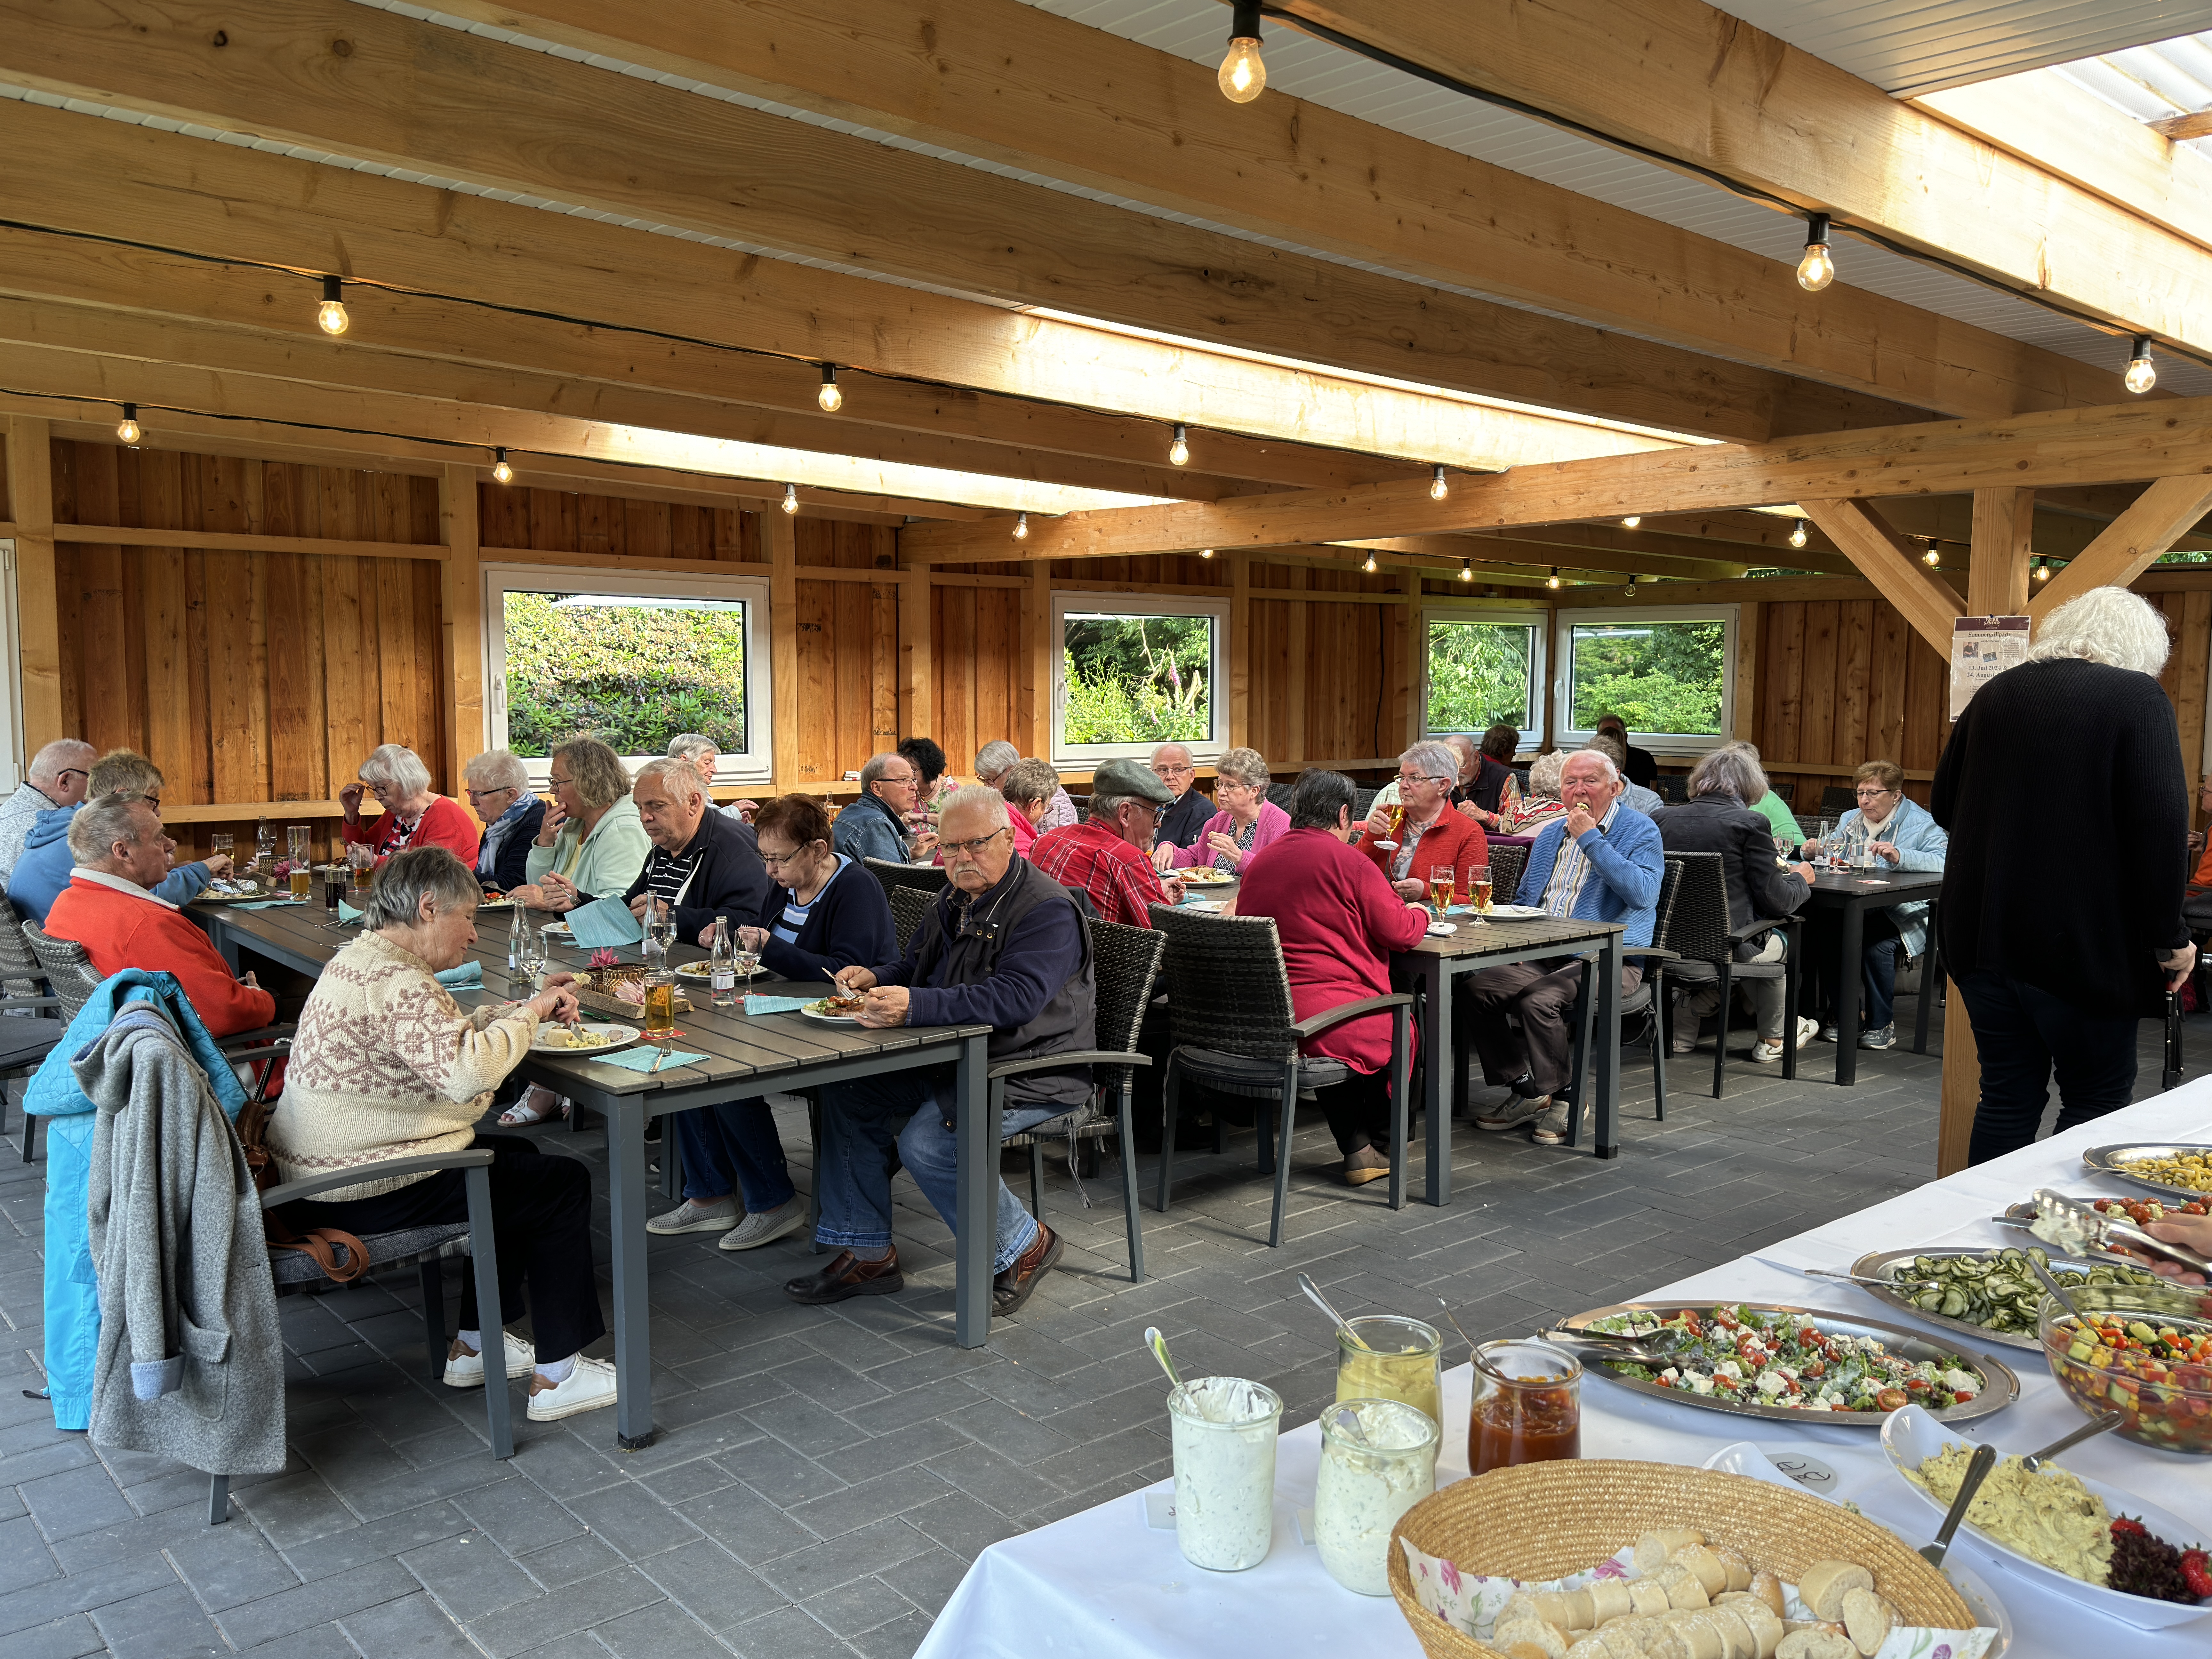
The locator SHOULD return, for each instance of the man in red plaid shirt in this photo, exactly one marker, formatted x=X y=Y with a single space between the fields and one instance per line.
x=1108 y=855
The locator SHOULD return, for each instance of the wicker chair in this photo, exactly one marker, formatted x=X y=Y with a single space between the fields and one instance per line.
x=1672 y=787
x=1126 y=961
x=1506 y=864
x=1838 y=799
x=908 y=906
x=1698 y=931
x=68 y=970
x=1362 y=803
x=1235 y=1032
x=892 y=876
x=1784 y=792
x=1281 y=793
x=24 y=1042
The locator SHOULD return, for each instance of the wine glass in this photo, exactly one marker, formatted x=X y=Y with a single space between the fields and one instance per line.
x=660 y=922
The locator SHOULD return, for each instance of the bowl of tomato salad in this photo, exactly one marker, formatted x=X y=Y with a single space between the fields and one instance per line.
x=2144 y=1350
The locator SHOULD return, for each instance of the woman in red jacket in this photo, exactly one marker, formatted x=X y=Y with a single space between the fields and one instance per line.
x=1432 y=835
x=1339 y=921
x=413 y=815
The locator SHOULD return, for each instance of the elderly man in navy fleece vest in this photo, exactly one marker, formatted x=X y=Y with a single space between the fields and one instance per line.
x=1006 y=947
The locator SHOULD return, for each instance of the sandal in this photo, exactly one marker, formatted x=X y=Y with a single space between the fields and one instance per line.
x=540 y=1105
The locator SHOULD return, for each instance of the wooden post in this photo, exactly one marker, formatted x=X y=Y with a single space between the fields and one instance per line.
x=1744 y=724
x=1962 y=1082
x=782 y=536
x=1039 y=651
x=1413 y=657
x=1294 y=691
x=460 y=604
x=38 y=598
x=916 y=702
x=1240 y=648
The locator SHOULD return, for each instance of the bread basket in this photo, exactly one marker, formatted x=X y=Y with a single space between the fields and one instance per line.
x=1543 y=1521
x=595 y=989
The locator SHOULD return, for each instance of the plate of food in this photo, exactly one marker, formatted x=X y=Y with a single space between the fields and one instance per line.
x=560 y=927
x=1757 y=1360
x=1204 y=876
x=1990 y=1294
x=839 y=1009
x=2092 y=1543
x=698 y=971
x=2185 y=1171
x=1515 y=913
x=583 y=1038
x=227 y=889
x=494 y=901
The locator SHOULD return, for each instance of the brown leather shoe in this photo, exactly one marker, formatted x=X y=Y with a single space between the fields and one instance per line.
x=848 y=1276
x=1364 y=1164
x=1012 y=1287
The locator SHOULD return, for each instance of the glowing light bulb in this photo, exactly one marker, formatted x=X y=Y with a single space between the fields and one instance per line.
x=1552 y=581
x=1179 y=451
x=1205 y=552
x=1369 y=566
x=830 y=396
x=1467 y=570
x=1632 y=520
x=1818 y=268
x=331 y=315
x=1438 y=487
x=1797 y=535
x=1244 y=74
x=1931 y=557
x=791 y=498
x=128 y=428
x=1629 y=592
x=2042 y=573
x=2143 y=374
x=500 y=468
x=1022 y=527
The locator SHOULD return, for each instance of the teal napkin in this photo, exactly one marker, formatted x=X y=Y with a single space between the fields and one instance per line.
x=758 y=1004
x=461 y=978
x=267 y=904
x=347 y=913
x=604 y=922
x=640 y=1058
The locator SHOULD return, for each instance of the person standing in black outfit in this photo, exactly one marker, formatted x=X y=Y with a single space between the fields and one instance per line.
x=2059 y=947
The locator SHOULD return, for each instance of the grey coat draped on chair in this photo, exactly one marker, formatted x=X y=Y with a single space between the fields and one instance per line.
x=191 y=1358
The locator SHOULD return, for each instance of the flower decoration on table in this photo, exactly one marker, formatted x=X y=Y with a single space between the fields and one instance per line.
x=605 y=957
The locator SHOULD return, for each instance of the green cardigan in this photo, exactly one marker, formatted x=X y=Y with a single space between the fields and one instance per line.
x=612 y=854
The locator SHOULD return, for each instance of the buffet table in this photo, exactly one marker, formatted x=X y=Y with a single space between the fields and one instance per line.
x=1104 y=1585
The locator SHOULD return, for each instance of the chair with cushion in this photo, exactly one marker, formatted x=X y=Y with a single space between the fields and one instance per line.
x=1234 y=1031
x=67 y=968
x=929 y=877
x=1698 y=931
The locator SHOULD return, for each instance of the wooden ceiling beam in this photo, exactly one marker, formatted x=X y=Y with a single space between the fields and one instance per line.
x=1708 y=91
x=2059 y=447
x=1534 y=547
x=2131 y=544
x=1013 y=84
x=1922 y=597
x=1658 y=548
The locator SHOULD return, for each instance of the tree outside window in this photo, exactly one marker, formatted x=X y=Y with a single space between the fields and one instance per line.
x=1662 y=678
x=632 y=671
x=1136 y=679
x=1480 y=673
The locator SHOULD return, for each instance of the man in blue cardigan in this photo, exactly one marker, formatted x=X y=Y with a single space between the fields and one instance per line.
x=1602 y=862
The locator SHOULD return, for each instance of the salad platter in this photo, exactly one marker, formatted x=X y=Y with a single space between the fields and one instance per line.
x=1992 y=1295
x=2184 y=1171
x=1859 y=1370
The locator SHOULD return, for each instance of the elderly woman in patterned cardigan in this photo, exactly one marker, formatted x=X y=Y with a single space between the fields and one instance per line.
x=387 y=1065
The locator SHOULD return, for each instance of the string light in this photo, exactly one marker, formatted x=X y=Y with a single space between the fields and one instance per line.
x=829 y=397
x=1022 y=527
x=1552 y=581
x=1797 y=535
x=1467 y=570
x=331 y=315
x=791 y=498
x=1931 y=557
x=1438 y=487
x=1205 y=552
x=128 y=428
x=500 y=468
x=1179 y=451
x=1244 y=74
x=1369 y=566
x=1818 y=268
x=1632 y=520
x=1629 y=592
x=2143 y=374
x=2042 y=571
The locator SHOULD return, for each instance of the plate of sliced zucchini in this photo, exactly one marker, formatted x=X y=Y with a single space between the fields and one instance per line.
x=1992 y=1294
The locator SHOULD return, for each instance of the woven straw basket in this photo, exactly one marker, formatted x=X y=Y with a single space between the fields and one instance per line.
x=1543 y=1521
x=596 y=991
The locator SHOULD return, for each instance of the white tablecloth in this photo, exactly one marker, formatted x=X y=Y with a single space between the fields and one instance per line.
x=1104 y=1585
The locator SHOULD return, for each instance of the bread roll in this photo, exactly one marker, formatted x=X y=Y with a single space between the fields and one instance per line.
x=1524 y=1650
x=1739 y=1570
x=1568 y=1609
x=1683 y=1587
x=1648 y=1596
x=1707 y=1565
x=1620 y=1642
x=1653 y=1549
x=1816 y=1642
x=1768 y=1588
x=1590 y=1648
x=1545 y=1640
x=1765 y=1626
x=1609 y=1598
x=1867 y=1620
x=1736 y=1635
x=1825 y=1582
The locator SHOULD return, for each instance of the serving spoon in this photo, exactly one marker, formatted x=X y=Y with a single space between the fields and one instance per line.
x=1984 y=1460
x=1314 y=1296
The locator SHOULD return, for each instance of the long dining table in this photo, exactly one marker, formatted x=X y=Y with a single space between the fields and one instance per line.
x=746 y=1056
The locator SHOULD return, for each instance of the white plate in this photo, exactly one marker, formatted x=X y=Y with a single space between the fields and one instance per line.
x=560 y=927
x=618 y=1037
x=831 y=1019
x=1912 y=1436
x=1516 y=913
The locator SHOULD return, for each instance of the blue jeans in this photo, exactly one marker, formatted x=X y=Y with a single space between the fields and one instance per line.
x=852 y=1182
x=733 y=1148
x=2025 y=1034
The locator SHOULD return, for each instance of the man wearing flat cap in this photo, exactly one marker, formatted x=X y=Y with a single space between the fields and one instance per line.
x=1109 y=854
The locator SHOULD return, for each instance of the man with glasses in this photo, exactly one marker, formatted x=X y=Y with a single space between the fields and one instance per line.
x=1109 y=854
x=875 y=826
x=1004 y=946
x=1896 y=834
x=57 y=779
x=44 y=870
x=1186 y=816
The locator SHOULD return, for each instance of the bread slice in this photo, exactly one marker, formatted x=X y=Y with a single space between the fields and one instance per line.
x=1816 y=1642
x=1736 y=1634
x=1609 y=1598
x=1547 y=1641
x=1825 y=1583
x=1684 y=1588
x=1738 y=1569
x=1654 y=1548
x=1648 y=1596
x=1867 y=1619
x=1708 y=1566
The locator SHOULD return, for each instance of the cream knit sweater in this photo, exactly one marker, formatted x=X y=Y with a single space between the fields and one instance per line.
x=387 y=1064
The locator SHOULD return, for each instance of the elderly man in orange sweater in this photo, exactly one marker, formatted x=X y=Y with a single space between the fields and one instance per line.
x=108 y=908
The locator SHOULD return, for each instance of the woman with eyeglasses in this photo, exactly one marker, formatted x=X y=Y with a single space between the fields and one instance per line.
x=1247 y=821
x=500 y=795
x=1432 y=835
x=1896 y=834
x=825 y=912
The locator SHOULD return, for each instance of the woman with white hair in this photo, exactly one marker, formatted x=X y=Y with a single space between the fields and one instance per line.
x=1247 y=821
x=414 y=815
x=2060 y=943
x=1521 y=813
x=1432 y=835
x=500 y=794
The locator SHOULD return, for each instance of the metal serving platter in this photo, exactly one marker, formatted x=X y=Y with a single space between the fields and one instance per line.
x=1876 y=1264
x=1999 y=1387
x=2106 y=1160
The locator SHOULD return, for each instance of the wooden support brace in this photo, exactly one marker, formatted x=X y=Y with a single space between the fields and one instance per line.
x=1893 y=565
x=2131 y=544
x=461 y=612
x=38 y=607
x=1039 y=651
x=1997 y=576
x=782 y=537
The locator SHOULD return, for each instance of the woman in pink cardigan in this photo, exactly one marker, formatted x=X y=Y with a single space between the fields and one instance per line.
x=1248 y=820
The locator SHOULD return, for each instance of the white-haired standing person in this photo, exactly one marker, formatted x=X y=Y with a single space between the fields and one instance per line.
x=2060 y=943
x=57 y=777
x=414 y=815
x=500 y=794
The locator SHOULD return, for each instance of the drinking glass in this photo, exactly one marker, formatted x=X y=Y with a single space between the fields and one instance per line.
x=219 y=846
x=661 y=924
x=1784 y=847
x=334 y=882
x=1477 y=881
x=361 y=860
x=748 y=963
x=1441 y=878
x=1528 y=1406
x=297 y=852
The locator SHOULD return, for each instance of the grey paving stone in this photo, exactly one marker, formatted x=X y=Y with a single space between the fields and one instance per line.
x=518 y=1516
x=787 y=1634
x=747 y=1525
x=960 y=1524
x=470 y=1576
x=56 y=1598
x=569 y=1560
x=863 y=1605
x=76 y=1500
x=868 y=1501
x=663 y=1631
x=296 y=1508
x=805 y=1573
x=24 y=1558
x=413 y=1627
x=896 y=1640
x=316 y=1602
x=375 y=1541
x=711 y=1585
x=65 y=1639
x=583 y=1605
x=928 y=1579
x=327 y=1641
x=632 y=1521
x=231 y=1564
x=162 y=1624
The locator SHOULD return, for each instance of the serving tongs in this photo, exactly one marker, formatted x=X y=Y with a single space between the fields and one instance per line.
x=2061 y=1222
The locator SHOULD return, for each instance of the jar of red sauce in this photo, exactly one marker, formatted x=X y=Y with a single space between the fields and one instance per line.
x=1528 y=1406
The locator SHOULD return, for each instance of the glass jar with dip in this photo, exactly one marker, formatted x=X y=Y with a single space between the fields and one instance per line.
x=1378 y=1459
x=1399 y=1361
x=1528 y=1406
x=1224 y=1431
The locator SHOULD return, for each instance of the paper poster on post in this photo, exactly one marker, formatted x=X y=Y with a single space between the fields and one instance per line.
x=1983 y=648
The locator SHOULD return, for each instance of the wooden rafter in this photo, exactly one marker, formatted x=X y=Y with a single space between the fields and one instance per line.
x=2132 y=543
x=1996 y=578
x=1893 y=565
x=1534 y=549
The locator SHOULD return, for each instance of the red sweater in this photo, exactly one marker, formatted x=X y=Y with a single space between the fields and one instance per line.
x=1454 y=839
x=119 y=931
x=1339 y=921
x=445 y=823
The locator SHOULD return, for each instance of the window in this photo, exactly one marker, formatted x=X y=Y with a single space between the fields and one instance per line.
x=1146 y=672
x=1485 y=666
x=632 y=658
x=1669 y=671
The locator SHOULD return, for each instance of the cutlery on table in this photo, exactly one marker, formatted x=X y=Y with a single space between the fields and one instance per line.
x=2095 y=1426
x=1314 y=1296
x=1984 y=1460
x=1606 y=1348
x=1830 y=1273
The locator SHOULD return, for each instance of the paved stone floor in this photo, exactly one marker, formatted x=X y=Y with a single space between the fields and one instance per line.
x=824 y=1476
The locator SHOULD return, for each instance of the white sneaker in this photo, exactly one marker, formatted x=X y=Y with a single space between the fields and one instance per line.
x=766 y=1227
x=1767 y=1051
x=692 y=1217
x=465 y=1370
x=587 y=1388
x=1807 y=1030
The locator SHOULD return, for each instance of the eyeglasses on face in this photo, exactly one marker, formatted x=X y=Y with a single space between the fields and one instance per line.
x=780 y=859
x=1162 y=770
x=1419 y=777
x=1872 y=792
x=968 y=850
x=70 y=772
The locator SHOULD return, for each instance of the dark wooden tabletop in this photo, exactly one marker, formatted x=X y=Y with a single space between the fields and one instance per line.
x=1905 y=885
